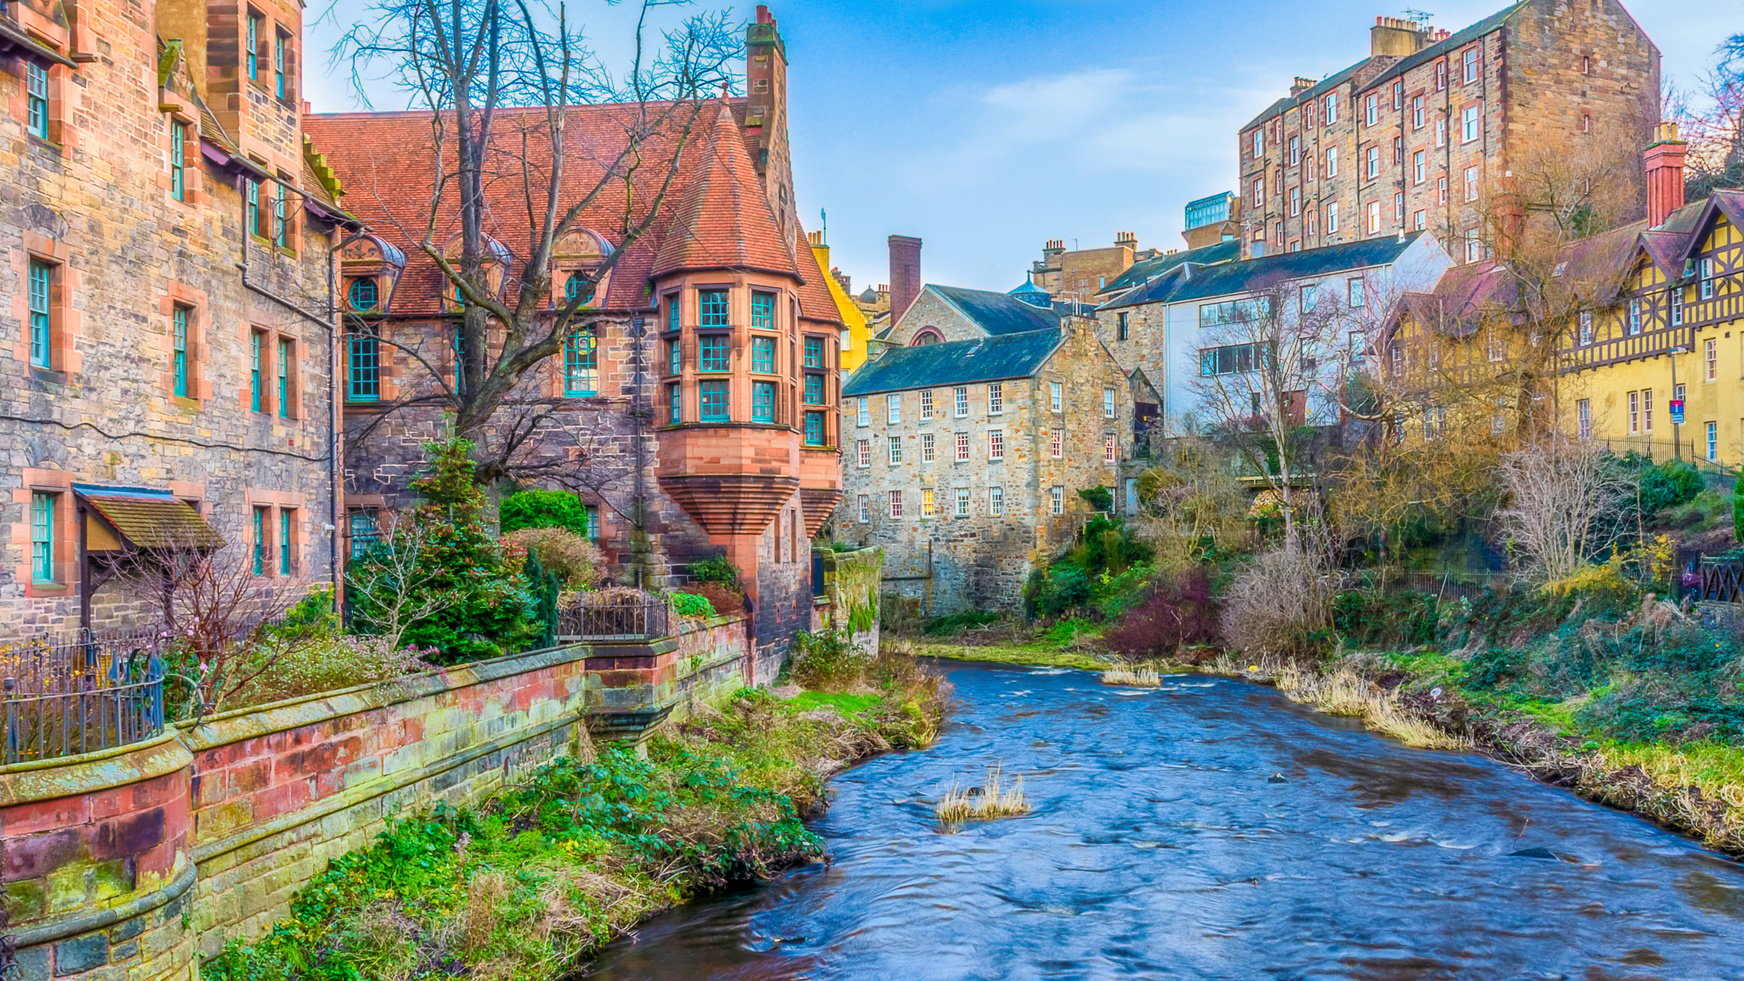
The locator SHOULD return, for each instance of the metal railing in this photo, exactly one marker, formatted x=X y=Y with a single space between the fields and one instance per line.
x=67 y=697
x=1722 y=579
x=615 y=614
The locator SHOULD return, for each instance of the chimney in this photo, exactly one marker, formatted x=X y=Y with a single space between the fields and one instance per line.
x=1126 y=240
x=1393 y=37
x=1054 y=247
x=1665 y=157
x=1301 y=85
x=766 y=117
x=904 y=274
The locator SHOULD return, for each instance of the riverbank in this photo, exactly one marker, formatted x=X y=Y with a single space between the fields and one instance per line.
x=531 y=882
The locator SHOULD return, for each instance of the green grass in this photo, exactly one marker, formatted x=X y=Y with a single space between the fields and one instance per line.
x=1034 y=653
x=847 y=706
x=1706 y=765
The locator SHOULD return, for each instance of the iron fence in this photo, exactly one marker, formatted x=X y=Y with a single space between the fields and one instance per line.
x=1722 y=579
x=616 y=614
x=92 y=692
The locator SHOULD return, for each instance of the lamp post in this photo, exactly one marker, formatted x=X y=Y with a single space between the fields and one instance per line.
x=1678 y=408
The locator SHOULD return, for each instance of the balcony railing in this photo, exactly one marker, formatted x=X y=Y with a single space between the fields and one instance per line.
x=80 y=695
x=615 y=614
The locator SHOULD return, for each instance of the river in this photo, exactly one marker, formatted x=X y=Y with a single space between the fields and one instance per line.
x=1208 y=829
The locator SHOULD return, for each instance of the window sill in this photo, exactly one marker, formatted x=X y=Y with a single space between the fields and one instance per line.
x=185 y=402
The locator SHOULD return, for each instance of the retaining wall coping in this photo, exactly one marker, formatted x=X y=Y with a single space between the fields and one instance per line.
x=92 y=920
x=237 y=725
x=383 y=786
x=70 y=776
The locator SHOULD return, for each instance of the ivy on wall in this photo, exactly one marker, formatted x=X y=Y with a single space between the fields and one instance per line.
x=851 y=581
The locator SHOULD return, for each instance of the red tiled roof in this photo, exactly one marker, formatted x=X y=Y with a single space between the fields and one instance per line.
x=815 y=301
x=715 y=214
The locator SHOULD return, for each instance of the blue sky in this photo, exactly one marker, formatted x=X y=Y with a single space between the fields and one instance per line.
x=988 y=126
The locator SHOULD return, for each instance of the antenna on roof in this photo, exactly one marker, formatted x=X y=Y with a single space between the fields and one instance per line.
x=824 y=221
x=1420 y=16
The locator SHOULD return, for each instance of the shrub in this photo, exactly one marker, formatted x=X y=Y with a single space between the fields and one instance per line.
x=1375 y=617
x=543 y=509
x=1282 y=602
x=1054 y=590
x=693 y=606
x=956 y=623
x=437 y=578
x=1180 y=612
x=828 y=660
x=723 y=599
x=1099 y=498
x=1669 y=484
x=719 y=569
x=282 y=669
x=1738 y=511
x=573 y=559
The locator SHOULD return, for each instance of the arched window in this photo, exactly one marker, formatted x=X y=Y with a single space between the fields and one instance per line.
x=363 y=294
x=574 y=287
x=925 y=336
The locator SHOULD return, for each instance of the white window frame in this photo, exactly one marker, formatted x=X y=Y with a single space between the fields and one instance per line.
x=996 y=398
x=865 y=509
x=960 y=502
x=961 y=442
x=1057 y=493
x=893 y=408
x=1711 y=359
x=864 y=415
x=1057 y=395
x=995 y=445
x=1110 y=403
x=996 y=501
x=896 y=504
x=928 y=448
x=863 y=453
x=1471 y=123
x=960 y=402
x=893 y=451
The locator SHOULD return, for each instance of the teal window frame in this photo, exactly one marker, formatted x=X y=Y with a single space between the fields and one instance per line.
x=763 y=355
x=581 y=363
x=674 y=312
x=675 y=404
x=284 y=542
x=362 y=530
x=713 y=309
x=256 y=376
x=252 y=193
x=675 y=356
x=593 y=521
x=179 y=344
x=459 y=350
x=762 y=310
x=251 y=44
x=714 y=400
x=714 y=353
x=259 y=556
x=572 y=288
x=814 y=352
x=762 y=401
x=280 y=88
x=363 y=367
x=36 y=99
x=42 y=535
x=363 y=294
x=814 y=429
x=178 y=160
x=41 y=305
x=281 y=216
x=287 y=356
x=814 y=389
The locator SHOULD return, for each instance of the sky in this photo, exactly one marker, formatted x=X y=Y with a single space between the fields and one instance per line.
x=989 y=126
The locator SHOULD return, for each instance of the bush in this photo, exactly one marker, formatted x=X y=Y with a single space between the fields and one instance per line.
x=719 y=569
x=573 y=559
x=543 y=509
x=693 y=606
x=828 y=660
x=1053 y=591
x=1667 y=485
x=956 y=623
x=1282 y=602
x=282 y=669
x=723 y=599
x=1099 y=498
x=1738 y=511
x=1374 y=617
x=1179 y=612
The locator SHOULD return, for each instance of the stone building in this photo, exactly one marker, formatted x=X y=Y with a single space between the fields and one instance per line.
x=696 y=410
x=964 y=456
x=1428 y=130
x=1080 y=274
x=166 y=229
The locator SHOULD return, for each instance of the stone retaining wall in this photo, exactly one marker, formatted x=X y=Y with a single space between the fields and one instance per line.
x=131 y=863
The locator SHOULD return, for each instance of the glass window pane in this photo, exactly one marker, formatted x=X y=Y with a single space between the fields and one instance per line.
x=714 y=401
x=713 y=308
x=763 y=311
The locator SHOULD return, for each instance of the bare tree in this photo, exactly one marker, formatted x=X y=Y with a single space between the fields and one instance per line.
x=395 y=587
x=1272 y=367
x=1191 y=497
x=1713 y=123
x=1564 y=499
x=500 y=79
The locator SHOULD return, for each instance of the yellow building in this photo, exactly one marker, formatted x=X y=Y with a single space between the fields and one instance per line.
x=855 y=333
x=1664 y=326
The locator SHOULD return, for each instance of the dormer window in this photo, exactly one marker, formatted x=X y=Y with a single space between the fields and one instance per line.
x=363 y=294
x=574 y=287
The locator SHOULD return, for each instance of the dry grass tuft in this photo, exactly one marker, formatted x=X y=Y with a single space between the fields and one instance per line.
x=1127 y=676
x=993 y=799
x=1386 y=716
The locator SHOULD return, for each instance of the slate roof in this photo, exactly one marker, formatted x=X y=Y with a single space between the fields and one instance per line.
x=999 y=313
x=1458 y=39
x=984 y=359
x=1186 y=282
x=1146 y=270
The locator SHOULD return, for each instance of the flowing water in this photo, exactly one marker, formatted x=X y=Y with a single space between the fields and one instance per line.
x=1208 y=829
